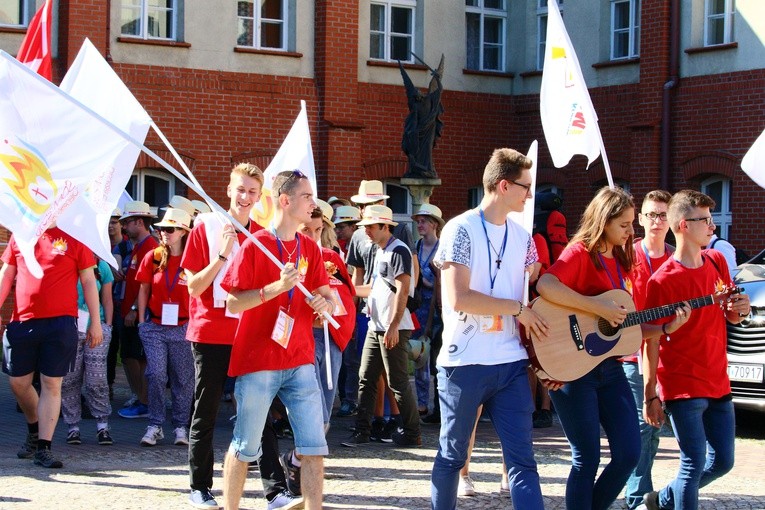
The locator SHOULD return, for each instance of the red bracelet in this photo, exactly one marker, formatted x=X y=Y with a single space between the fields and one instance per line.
x=262 y=293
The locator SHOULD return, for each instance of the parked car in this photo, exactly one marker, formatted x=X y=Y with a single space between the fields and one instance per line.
x=746 y=341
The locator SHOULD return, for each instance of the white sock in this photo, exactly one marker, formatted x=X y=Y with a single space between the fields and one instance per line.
x=295 y=461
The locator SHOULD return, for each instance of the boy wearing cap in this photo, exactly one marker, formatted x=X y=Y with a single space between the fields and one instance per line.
x=390 y=327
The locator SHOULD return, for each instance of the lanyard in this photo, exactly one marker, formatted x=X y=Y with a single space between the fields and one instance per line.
x=297 y=258
x=608 y=273
x=169 y=286
x=424 y=262
x=501 y=253
x=667 y=251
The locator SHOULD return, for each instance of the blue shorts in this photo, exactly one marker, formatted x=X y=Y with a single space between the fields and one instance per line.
x=298 y=390
x=48 y=345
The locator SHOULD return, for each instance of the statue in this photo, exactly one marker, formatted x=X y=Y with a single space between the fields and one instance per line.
x=423 y=124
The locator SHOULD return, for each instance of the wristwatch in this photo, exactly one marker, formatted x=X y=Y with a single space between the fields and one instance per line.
x=134 y=308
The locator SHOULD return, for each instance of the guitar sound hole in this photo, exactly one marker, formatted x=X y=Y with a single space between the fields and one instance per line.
x=606 y=328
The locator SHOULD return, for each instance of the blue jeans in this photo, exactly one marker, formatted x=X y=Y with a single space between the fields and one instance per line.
x=297 y=388
x=602 y=397
x=705 y=430
x=640 y=480
x=504 y=392
x=320 y=365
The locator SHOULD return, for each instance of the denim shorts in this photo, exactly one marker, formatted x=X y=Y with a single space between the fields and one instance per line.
x=298 y=390
x=48 y=345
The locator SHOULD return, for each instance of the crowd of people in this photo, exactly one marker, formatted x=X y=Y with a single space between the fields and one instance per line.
x=334 y=300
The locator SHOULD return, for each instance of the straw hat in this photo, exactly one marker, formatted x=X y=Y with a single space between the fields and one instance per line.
x=116 y=212
x=326 y=212
x=419 y=351
x=137 y=208
x=375 y=214
x=334 y=200
x=369 y=192
x=200 y=207
x=179 y=202
x=347 y=214
x=175 y=217
x=430 y=211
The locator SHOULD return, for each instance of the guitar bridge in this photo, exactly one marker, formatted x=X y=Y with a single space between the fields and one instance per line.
x=576 y=333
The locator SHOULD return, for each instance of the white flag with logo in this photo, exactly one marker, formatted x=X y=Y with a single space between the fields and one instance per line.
x=92 y=82
x=51 y=149
x=294 y=154
x=754 y=161
x=568 y=117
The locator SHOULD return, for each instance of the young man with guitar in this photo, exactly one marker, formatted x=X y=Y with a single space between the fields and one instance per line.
x=599 y=258
x=483 y=256
x=689 y=363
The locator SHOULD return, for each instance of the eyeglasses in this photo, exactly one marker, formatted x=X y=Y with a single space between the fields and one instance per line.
x=294 y=176
x=706 y=219
x=167 y=230
x=656 y=217
x=527 y=187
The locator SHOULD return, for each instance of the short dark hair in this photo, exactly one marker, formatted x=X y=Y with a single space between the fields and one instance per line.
x=683 y=202
x=286 y=182
x=658 y=195
x=504 y=164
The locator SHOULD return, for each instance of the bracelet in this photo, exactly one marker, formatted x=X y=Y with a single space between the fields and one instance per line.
x=222 y=258
x=520 y=310
x=262 y=293
x=648 y=402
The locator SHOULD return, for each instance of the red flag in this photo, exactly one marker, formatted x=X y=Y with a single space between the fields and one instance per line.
x=35 y=48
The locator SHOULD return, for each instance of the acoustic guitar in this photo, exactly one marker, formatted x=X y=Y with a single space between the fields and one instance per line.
x=578 y=341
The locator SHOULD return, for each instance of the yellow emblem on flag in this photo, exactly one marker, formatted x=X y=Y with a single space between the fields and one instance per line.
x=30 y=181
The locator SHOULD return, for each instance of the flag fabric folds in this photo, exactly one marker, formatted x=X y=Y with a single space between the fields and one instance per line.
x=569 y=120
x=35 y=48
x=754 y=161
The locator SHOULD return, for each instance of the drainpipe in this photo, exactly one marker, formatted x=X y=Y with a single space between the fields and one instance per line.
x=666 y=95
x=107 y=50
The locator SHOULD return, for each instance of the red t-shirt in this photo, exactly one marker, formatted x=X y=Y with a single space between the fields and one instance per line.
x=168 y=286
x=61 y=257
x=575 y=270
x=693 y=363
x=253 y=349
x=340 y=280
x=131 y=286
x=207 y=324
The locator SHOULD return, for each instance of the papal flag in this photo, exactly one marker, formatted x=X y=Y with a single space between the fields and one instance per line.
x=568 y=117
x=754 y=161
x=35 y=48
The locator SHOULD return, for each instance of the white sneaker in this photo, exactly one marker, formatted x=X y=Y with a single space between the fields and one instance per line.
x=285 y=500
x=466 y=487
x=153 y=434
x=181 y=436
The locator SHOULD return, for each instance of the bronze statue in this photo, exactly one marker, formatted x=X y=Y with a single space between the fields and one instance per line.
x=423 y=124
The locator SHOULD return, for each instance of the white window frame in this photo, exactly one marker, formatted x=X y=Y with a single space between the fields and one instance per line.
x=474 y=196
x=258 y=21
x=723 y=216
x=387 y=34
x=542 y=30
x=25 y=15
x=140 y=184
x=143 y=6
x=727 y=18
x=491 y=13
x=633 y=29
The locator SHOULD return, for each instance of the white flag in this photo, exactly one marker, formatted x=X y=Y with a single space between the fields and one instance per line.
x=50 y=151
x=754 y=161
x=91 y=81
x=526 y=217
x=568 y=117
x=294 y=154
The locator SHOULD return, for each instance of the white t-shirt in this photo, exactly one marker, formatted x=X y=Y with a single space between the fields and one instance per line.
x=394 y=260
x=466 y=337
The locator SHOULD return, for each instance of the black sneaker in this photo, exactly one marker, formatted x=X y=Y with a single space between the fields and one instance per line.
x=291 y=473
x=387 y=433
x=377 y=431
x=432 y=419
x=45 y=459
x=357 y=439
x=28 y=449
x=651 y=500
x=542 y=419
x=73 y=437
x=401 y=439
x=104 y=438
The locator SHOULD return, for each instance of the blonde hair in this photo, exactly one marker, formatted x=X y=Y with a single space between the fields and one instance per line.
x=249 y=170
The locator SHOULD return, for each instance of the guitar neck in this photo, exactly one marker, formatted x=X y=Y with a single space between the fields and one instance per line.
x=651 y=314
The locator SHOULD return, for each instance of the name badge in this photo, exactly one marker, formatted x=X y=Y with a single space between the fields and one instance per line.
x=339 y=308
x=170 y=314
x=283 y=328
x=491 y=324
x=83 y=316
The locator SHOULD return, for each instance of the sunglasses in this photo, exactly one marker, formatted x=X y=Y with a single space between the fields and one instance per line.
x=167 y=230
x=294 y=176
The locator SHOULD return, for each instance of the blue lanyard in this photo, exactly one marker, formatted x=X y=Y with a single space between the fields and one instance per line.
x=667 y=251
x=297 y=258
x=500 y=255
x=424 y=262
x=608 y=273
x=171 y=287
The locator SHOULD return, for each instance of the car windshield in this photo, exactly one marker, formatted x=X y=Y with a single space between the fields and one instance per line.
x=750 y=273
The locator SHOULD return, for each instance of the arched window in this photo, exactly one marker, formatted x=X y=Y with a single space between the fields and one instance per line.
x=719 y=188
x=155 y=187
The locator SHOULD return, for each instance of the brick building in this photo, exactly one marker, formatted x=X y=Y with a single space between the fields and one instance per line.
x=678 y=85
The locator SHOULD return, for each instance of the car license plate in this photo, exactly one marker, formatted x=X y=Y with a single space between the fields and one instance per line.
x=745 y=372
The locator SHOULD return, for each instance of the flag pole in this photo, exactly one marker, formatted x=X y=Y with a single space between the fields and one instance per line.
x=605 y=161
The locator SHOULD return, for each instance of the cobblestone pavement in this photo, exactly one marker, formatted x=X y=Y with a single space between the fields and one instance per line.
x=128 y=476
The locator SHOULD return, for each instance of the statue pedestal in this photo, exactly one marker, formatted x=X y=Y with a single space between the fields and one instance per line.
x=421 y=190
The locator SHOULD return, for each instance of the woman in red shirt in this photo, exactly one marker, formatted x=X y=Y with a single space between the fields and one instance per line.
x=165 y=295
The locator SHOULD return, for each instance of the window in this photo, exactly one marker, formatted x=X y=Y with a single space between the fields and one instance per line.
x=719 y=189
x=400 y=202
x=263 y=28
x=155 y=187
x=485 y=22
x=474 y=197
x=151 y=19
x=16 y=12
x=542 y=30
x=625 y=29
x=391 y=30
x=718 y=22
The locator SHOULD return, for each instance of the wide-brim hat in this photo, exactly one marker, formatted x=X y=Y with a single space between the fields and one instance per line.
x=137 y=208
x=179 y=202
x=430 y=211
x=419 y=351
x=326 y=212
x=347 y=214
x=338 y=200
x=374 y=214
x=200 y=207
x=369 y=192
x=177 y=218
x=116 y=212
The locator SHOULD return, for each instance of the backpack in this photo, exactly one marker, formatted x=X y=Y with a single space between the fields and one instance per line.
x=550 y=223
x=742 y=257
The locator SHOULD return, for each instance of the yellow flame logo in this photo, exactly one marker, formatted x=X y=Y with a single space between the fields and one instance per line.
x=30 y=180
x=302 y=265
x=267 y=203
x=60 y=246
